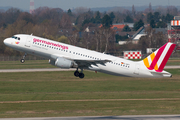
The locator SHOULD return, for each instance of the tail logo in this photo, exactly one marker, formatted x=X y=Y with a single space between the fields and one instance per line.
x=158 y=59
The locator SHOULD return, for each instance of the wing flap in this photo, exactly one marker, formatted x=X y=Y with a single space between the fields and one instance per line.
x=87 y=63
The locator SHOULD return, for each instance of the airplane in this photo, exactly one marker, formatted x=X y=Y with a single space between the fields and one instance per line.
x=67 y=56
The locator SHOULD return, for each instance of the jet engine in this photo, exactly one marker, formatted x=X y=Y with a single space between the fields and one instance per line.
x=62 y=63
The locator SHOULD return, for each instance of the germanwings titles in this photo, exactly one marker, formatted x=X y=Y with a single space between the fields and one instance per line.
x=68 y=56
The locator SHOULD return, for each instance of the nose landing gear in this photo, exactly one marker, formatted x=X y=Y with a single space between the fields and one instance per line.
x=23 y=60
x=77 y=74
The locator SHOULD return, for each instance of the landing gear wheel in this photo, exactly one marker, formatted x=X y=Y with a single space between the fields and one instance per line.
x=76 y=73
x=81 y=75
x=22 y=60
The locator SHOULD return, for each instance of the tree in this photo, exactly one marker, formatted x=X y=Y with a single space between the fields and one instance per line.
x=26 y=16
x=98 y=18
x=143 y=44
x=11 y=15
x=150 y=7
x=108 y=33
x=106 y=21
x=169 y=17
x=69 y=12
x=65 y=21
x=121 y=38
x=161 y=24
x=43 y=13
x=86 y=21
x=88 y=40
x=149 y=17
x=99 y=39
x=73 y=37
x=133 y=11
x=63 y=39
x=156 y=17
x=128 y=19
x=153 y=39
x=126 y=28
x=112 y=16
x=152 y=23
x=141 y=23
x=138 y=24
x=172 y=10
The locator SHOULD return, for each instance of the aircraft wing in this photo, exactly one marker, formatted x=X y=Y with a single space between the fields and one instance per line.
x=82 y=62
x=87 y=63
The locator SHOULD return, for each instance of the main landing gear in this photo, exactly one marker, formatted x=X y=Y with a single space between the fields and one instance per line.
x=23 y=60
x=79 y=74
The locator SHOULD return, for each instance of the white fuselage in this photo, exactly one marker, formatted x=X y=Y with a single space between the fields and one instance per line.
x=52 y=50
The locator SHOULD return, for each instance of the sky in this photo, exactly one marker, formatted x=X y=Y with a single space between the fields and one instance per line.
x=66 y=4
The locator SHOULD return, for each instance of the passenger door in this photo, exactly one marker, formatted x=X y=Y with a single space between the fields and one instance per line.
x=28 y=41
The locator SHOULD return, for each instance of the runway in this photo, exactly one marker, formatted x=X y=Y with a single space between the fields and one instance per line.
x=57 y=69
x=128 y=117
x=172 y=67
x=35 y=70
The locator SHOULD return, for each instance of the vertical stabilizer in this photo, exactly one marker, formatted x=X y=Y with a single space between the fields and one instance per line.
x=158 y=59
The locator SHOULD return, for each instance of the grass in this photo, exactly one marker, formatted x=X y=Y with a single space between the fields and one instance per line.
x=173 y=62
x=28 y=64
x=50 y=109
x=51 y=94
x=112 y=91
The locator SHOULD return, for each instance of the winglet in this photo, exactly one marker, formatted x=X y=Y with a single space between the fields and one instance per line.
x=158 y=59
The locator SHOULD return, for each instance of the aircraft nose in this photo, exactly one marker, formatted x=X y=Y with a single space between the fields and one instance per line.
x=6 y=41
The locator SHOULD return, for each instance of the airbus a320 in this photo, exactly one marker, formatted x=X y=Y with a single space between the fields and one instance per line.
x=67 y=56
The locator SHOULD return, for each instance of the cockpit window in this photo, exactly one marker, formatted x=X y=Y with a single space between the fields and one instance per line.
x=17 y=38
x=13 y=37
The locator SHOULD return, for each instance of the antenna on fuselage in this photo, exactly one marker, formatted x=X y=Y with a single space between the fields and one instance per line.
x=31 y=34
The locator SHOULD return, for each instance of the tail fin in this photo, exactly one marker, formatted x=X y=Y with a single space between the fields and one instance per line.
x=158 y=59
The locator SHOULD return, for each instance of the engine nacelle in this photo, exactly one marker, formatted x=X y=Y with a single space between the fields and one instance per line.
x=63 y=63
